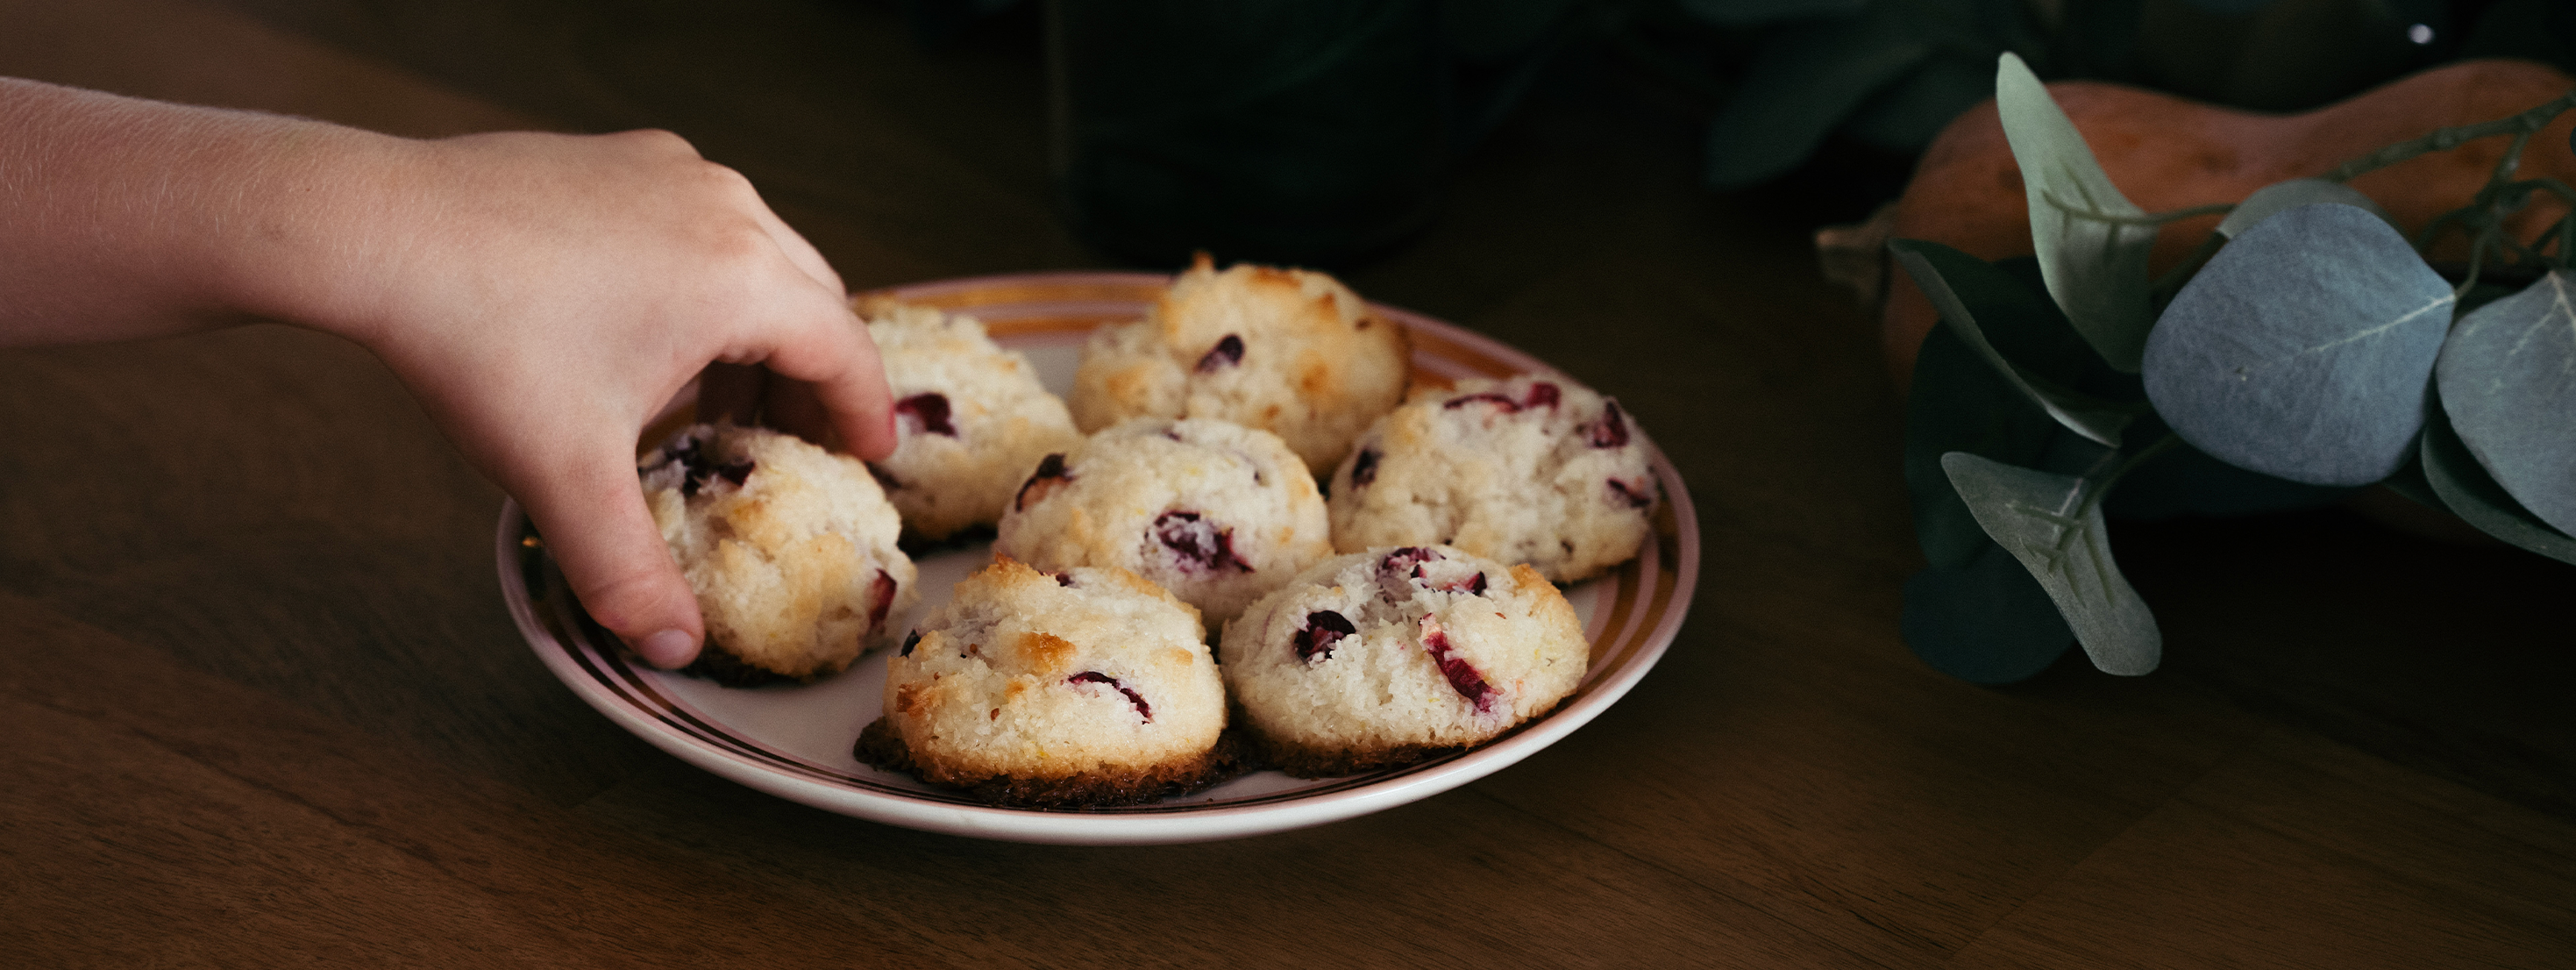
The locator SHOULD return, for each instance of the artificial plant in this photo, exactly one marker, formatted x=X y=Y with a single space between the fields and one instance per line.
x=2306 y=349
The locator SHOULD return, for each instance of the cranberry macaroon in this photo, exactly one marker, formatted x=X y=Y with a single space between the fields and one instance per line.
x=1386 y=657
x=1078 y=688
x=1216 y=512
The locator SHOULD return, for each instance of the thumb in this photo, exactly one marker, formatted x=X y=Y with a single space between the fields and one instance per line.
x=595 y=524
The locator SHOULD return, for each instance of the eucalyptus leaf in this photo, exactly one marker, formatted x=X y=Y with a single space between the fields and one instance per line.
x=2042 y=342
x=1985 y=621
x=2304 y=349
x=2092 y=241
x=1805 y=80
x=2277 y=197
x=2046 y=521
x=1933 y=266
x=2508 y=379
x=2469 y=493
x=1959 y=403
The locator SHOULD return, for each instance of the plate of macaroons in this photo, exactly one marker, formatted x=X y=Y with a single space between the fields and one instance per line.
x=1157 y=559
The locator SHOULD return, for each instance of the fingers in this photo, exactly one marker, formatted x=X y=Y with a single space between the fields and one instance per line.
x=852 y=409
x=821 y=381
x=831 y=355
x=858 y=401
x=595 y=524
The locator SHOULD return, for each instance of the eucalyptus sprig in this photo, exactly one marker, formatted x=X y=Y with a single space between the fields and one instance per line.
x=2305 y=349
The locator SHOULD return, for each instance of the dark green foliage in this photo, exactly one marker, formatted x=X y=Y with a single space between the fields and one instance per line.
x=1984 y=621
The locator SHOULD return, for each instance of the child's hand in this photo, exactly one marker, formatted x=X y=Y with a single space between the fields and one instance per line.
x=544 y=295
x=549 y=294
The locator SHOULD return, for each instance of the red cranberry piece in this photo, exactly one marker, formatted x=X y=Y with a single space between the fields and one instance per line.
x=1197 y=540
x=1050 y=470
x=881 y=599
x=927 y=411
x=910 y=642
x=1063 y=579
x=1472 y=584
x=1406 y=562
x=1364 y=467
x=1541 y=395
x=1227 y=353
x=1463 y=677
x=1609 y=432
x=1635 y=497
x=1096 y=677
x=1323 y=629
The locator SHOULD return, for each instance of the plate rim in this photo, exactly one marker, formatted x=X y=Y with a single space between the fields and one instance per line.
x=521 y=563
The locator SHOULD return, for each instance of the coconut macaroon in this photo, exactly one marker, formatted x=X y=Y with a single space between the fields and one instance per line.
x=791 y=550
x=1215 y=512
x=1386 y=657
x=1533 y=469
x=1085 y=687
x=1286 y=350
x=970 y=420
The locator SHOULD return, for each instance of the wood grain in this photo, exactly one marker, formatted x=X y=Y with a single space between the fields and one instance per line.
x=263 y=706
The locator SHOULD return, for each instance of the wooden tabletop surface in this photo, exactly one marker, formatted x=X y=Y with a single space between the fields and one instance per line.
x=262 y=705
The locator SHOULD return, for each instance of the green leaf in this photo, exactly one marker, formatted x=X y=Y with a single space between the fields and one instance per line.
x=1959 y=403
x=2508 y=378
x=2469 y=493
x=1961 y=287
x=2053 y=526
x=2092 y=241
x=1805 y=80
x=2277 y=197
x=1985 y=621
x=2304 y=348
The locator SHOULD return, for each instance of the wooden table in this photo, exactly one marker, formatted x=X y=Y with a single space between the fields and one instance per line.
x=262 y=705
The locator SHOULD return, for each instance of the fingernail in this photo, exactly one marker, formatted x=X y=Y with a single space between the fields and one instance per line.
x=668 y=649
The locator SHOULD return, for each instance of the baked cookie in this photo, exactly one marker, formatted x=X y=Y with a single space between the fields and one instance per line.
x=1289 y=351
x=791 y=550
x=1533 y=469
x=1215 y=512
x=1385 y=657
x=970 y=420
x=1085 y=687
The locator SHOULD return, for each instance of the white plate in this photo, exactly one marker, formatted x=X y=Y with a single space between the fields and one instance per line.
x=795 y=741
